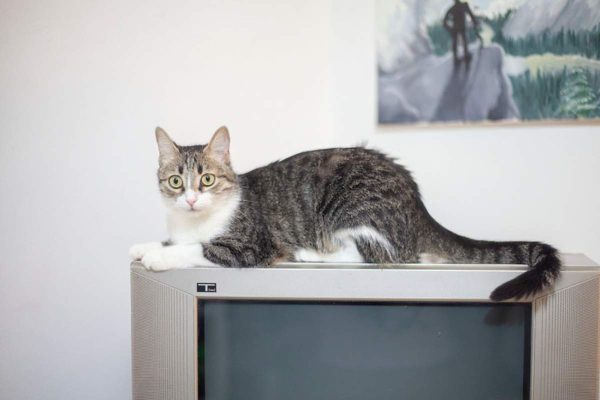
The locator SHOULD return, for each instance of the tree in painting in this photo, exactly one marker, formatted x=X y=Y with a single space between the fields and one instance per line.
x=487 y=60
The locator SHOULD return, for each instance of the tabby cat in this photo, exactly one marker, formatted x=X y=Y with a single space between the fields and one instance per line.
x=342 y=204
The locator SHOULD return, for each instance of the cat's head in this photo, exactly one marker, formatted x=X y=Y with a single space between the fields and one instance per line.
x=194 y=179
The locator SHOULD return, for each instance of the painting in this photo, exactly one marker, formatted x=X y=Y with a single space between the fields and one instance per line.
x=456 y=61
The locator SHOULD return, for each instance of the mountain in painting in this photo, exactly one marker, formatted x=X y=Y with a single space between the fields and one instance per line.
x=538 y=16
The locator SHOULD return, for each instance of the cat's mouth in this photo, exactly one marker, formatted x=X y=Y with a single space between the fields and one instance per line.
x=195 y=209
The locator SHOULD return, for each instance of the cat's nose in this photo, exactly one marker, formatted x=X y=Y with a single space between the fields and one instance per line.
x=190 y=201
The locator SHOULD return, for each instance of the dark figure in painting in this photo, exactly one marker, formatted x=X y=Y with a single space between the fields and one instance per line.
x=458 y=15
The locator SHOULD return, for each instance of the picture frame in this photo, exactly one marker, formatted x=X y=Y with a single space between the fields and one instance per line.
x=526 y=62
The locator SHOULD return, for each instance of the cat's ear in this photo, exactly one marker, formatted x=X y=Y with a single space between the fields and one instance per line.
x=166 y=147
x=218 y=147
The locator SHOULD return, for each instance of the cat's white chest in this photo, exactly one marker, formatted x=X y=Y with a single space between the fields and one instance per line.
x=201 y=227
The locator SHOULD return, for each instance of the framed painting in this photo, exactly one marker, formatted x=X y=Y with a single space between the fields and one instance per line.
x=456 y=61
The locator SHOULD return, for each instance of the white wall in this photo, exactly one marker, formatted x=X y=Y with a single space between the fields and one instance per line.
x=82 y=85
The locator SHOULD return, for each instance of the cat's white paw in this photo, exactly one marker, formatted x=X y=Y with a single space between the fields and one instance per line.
x=173 y=257
x=158 y=260
x=138 y=251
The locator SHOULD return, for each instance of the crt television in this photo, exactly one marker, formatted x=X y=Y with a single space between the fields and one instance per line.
x=360 y=331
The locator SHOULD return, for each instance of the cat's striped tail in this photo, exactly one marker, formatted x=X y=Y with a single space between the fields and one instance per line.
x=542 y=259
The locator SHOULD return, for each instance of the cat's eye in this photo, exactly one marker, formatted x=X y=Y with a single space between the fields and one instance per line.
x=207 y=180
x=175 y=181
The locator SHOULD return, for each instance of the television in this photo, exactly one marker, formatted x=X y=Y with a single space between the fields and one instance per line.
x=363 y=331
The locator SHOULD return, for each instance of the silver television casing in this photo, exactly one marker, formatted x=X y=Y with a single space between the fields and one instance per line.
x=564 y=326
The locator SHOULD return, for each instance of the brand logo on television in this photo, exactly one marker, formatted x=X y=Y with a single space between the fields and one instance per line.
x=206 y=287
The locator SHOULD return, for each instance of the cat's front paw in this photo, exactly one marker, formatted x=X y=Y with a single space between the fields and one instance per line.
x=138 y=251
x=157 y=260
x=173 y=257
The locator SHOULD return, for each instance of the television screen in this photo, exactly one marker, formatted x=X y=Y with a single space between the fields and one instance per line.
x=266 y=350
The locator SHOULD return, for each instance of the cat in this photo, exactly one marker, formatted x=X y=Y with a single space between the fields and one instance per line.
x=337 y=205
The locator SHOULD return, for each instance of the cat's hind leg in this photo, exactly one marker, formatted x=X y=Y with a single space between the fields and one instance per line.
x=375 y=245
x=345 y=253
x=380 y=246
x=374 y=252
